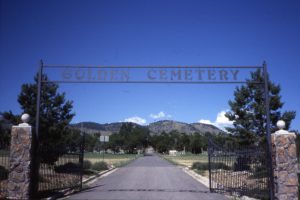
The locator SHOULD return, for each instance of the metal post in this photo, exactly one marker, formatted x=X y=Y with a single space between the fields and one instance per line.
x=267 y=107
x=81 y=154
x=103 y=151
x=38 y=101
x=35 y=158
x=209 y=163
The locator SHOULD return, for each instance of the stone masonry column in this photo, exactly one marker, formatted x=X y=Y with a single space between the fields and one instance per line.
x=20 y=160
x=285 y=164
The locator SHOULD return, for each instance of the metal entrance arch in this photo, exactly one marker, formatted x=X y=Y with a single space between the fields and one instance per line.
x=157 y=75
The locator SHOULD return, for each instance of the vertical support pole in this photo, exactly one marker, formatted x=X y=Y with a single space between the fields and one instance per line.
x=103 y=151
x=81 y=157
x=35 y=157
x=38 y=101
x=209 y=163
x=267 y=107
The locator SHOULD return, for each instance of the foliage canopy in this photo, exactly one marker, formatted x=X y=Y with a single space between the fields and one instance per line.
x=55 y=115
x=248 y=111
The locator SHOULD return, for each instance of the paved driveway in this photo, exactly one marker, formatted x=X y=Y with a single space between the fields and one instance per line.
x=146 y=178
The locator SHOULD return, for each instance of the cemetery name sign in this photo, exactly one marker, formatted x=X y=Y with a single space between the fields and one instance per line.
x=141 y=74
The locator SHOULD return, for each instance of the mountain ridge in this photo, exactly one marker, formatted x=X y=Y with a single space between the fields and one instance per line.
x=155 y=128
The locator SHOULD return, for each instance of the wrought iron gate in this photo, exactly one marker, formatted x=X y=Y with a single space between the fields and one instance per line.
x=60 y=168
x=238 y=171
x=4 y=168
x=175 y=75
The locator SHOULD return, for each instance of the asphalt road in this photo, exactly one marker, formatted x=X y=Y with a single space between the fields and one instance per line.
x=148 y=178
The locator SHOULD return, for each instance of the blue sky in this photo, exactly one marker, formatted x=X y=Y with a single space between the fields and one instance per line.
x=150 y=33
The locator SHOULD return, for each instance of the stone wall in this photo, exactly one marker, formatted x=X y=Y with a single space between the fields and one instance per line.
x=20 y=163
x=285 y=166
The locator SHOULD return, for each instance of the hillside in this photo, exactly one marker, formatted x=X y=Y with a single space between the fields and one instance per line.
x=169 y=125
x=104 y=129
x=155 y=128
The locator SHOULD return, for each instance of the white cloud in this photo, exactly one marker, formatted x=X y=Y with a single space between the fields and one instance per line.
x=136 y=119
x=221 y=121
x=159 y=115
x=205 y=121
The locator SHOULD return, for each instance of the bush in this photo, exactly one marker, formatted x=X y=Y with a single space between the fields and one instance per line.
x=242 y=163
x=260 y=172
x=68 y=168
x=87 y=164
x=200 y=166
x=100 y=166
x=42 y=178
x=205 y=166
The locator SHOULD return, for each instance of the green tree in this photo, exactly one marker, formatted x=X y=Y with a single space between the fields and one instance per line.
x=137 y=139
x=162 y=143
x=175 y=140
x=73 y=140
x=134 y=137
x=185 y=141
x=196 y=143
x=130 y=138
x=7 y=120
x=11 y=118
x=91 y=142
x=4 y=137
x=55 y=115
x=116 y=142
x=248 y=110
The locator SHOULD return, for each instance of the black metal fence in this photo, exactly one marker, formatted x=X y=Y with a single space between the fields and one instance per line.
x=4 y=169
x=59 y=169
x=238 y=171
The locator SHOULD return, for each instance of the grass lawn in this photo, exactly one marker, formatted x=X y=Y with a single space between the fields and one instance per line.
x=116 y=160
x=187 y=160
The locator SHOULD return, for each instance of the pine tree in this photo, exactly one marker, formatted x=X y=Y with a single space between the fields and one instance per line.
x=7 y=119
x=55 y=115
x=248 y=110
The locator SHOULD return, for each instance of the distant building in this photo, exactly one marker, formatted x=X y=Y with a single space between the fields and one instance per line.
x=149 y=151
x=173 y=152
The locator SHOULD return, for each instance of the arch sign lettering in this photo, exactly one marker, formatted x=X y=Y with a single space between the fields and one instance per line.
x=142 y=74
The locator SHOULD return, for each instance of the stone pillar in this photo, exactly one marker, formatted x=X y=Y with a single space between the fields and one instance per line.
x=285 y=164
x=20 y=160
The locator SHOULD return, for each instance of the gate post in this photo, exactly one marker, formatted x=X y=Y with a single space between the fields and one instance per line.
x=19 y=179
x=285 y=163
